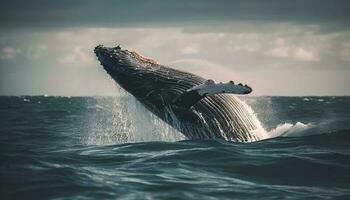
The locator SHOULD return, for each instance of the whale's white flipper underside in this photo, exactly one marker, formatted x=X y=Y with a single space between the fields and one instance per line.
x=209 y=88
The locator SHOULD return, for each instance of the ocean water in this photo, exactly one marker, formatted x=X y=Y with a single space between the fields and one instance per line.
x=113 y=148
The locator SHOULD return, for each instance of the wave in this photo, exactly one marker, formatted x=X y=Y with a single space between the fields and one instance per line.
x=288 y=129
x=300 y=129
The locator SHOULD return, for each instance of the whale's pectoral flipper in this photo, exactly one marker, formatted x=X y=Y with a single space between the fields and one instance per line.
x=209 y=88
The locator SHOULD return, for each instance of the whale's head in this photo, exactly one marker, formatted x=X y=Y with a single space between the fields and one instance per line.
x=129 y=69
x=116 y=60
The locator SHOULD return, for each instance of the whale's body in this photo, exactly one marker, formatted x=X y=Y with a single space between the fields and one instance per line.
x=179 y=99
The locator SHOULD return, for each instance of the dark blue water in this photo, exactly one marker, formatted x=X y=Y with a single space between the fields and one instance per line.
x=110 y=147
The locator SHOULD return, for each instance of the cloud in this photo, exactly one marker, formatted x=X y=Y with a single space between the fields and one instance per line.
x=9 y=53
x=37 y=51
x=346 y=52
x=304 y=55
x=203 y=68
x=284 y=50
x=280 y=49
x=62 y=61
x=77 y=56
x=276 y=46
x=331 y=15
x=190 y=50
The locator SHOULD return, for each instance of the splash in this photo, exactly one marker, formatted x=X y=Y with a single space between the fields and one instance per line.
x=125 y=120
x=270 y=112
x=288 y=129
x=148 y=127
x=281 y=130
x=260 y=132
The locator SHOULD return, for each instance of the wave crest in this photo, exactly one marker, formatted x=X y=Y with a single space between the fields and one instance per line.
x=288 y=129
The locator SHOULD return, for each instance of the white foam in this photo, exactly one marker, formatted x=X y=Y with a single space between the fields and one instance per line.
x=288 y=129
x=283 y=129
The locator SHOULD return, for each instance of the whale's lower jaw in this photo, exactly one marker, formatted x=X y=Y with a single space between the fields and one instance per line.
x=221 y=116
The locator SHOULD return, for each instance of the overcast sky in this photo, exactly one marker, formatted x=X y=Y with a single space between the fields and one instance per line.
x=278 y=47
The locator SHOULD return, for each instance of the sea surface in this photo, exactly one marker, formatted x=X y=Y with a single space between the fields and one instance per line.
x=113 y=148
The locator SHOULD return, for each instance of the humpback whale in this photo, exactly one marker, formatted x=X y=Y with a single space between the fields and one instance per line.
x=198 y=108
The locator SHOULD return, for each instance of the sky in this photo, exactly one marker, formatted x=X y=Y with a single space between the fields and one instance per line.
x=278 y=47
